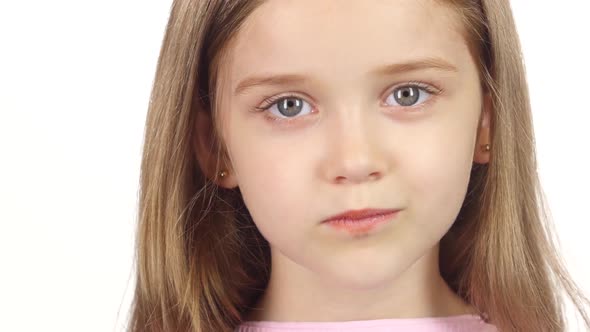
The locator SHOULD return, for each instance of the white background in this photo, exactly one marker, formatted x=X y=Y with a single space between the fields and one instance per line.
x=75 y=78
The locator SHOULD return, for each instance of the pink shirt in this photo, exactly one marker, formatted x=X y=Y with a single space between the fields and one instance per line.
x=460 y=323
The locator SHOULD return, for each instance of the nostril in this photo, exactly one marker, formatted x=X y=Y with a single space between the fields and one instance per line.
x=371 y=177
x=374 y=175
x=340 y=179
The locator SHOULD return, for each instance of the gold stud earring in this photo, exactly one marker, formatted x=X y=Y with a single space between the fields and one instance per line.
x=486 y=147
x=223 y=174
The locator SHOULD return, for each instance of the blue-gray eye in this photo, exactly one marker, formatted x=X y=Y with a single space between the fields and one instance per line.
x=412 y=94
x=407 y=95
x=290 y=106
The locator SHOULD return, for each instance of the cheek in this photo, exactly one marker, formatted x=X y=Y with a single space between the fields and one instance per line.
x=270 y=180
x=440 y=174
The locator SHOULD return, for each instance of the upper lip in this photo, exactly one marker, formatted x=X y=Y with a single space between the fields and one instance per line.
x=361 y=214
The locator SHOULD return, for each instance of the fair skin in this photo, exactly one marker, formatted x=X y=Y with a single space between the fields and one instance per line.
x=353 y=143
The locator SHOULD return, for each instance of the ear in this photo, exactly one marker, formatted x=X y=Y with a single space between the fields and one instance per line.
x=480 y=155
x=206 y=151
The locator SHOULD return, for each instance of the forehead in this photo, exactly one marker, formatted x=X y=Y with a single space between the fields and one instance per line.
x=343 y=37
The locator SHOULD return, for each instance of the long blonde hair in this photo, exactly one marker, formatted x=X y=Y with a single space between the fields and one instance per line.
x=201 y=262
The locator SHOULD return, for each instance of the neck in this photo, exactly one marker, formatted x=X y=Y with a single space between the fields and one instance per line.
x=297 y=294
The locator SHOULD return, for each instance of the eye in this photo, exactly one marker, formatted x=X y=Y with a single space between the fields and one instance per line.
x=287 y=107
x=409 y=95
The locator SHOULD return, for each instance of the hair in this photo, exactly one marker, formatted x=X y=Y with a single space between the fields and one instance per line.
x=202 y=263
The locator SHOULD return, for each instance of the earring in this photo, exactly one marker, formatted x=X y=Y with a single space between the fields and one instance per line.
x=486 y=147
x=222 y=174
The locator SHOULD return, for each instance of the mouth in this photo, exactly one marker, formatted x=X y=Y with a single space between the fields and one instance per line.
x=357 y=222
x=358 y=215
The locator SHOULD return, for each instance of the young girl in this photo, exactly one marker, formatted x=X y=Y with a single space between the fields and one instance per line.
x=343 y=165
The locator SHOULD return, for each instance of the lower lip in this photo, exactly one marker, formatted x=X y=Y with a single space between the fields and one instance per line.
x=361 y=226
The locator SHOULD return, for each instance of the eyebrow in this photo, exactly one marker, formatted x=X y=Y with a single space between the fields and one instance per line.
x=387 y=70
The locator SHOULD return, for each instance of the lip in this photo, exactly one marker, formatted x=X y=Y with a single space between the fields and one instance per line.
x=360 y=223
x=357 y=215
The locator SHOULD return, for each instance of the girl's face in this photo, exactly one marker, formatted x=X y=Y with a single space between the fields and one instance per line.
x=365 y=106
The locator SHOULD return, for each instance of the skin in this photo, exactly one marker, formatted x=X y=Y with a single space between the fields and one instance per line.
x=352 y=146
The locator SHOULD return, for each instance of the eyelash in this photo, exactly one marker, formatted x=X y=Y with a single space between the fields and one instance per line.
x=270 y=101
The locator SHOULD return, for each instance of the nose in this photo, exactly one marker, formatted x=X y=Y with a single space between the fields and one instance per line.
x=353 y=153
